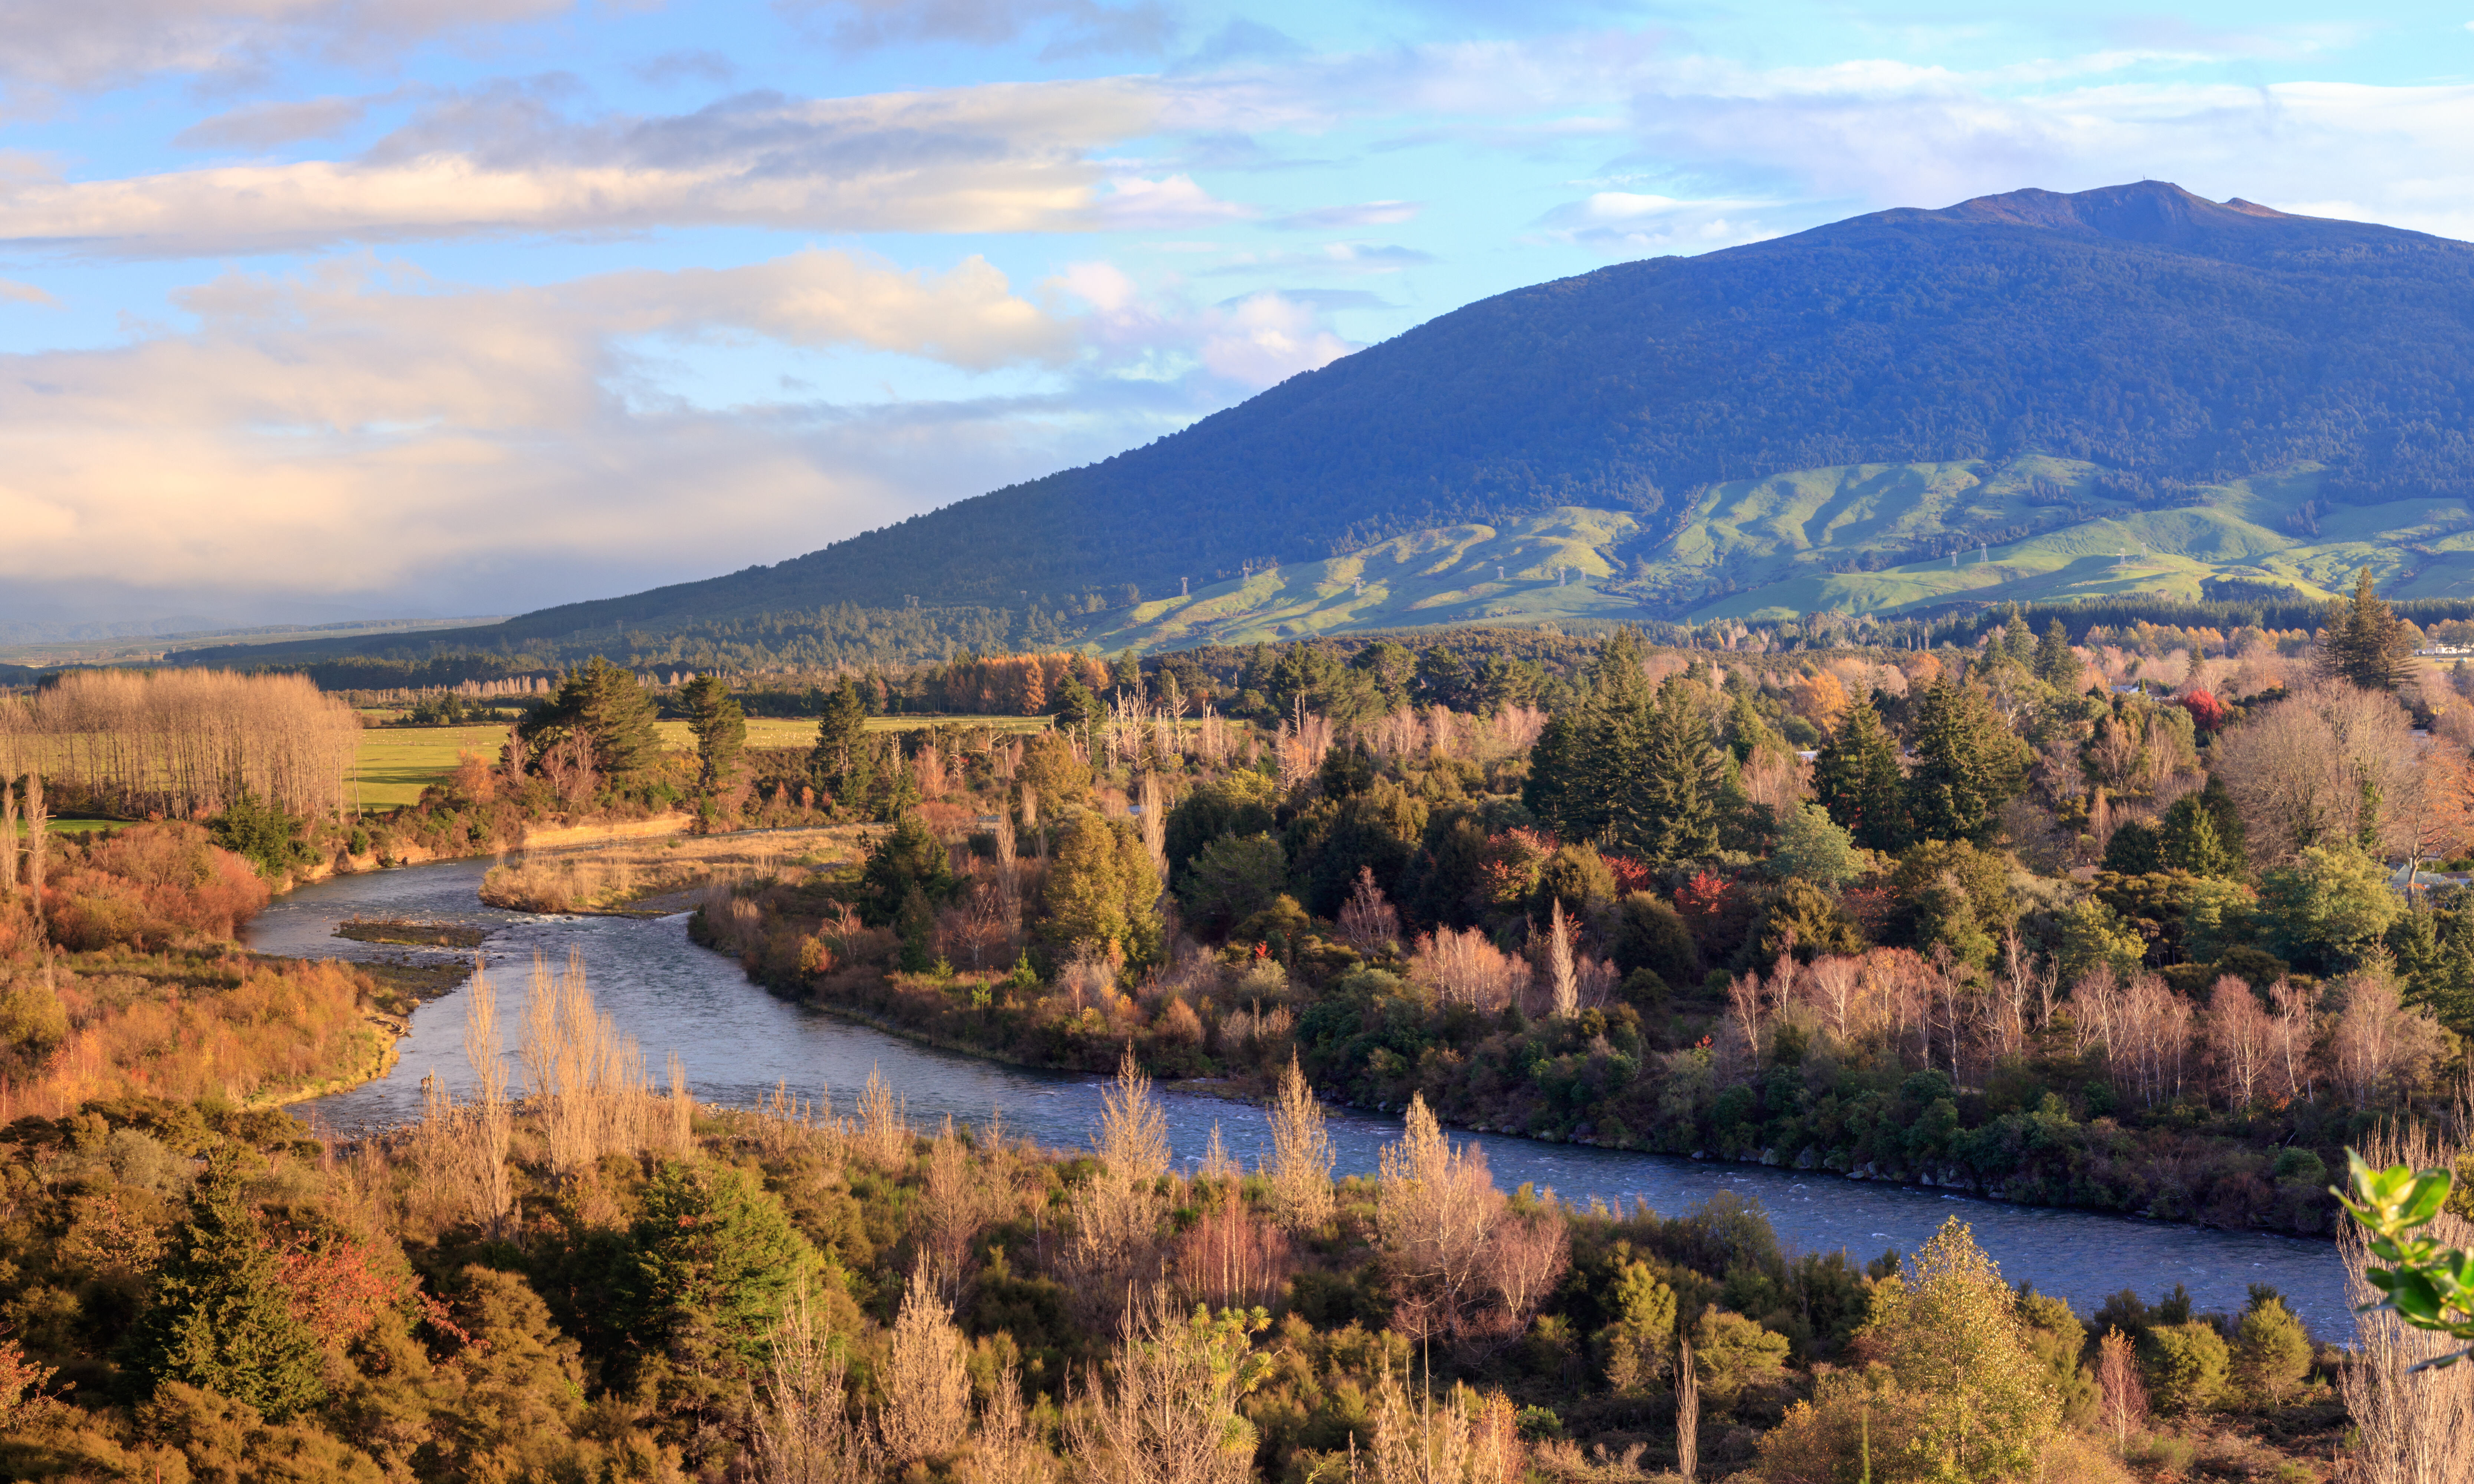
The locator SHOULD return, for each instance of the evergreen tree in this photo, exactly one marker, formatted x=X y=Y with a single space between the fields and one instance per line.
x=719 y=726
x=220 y=1318
x=1746 y=732
x=605 y=703
x=909 y=859
x=1856 y=779
x=1100 y=888
x=1968 y=763
x=2018 y=640
x=2055 y=663
x=2363 y=640
x=1671 y=812
x=1074 y=705
x=840 y=763
x=712 y=1251
x=1550 y=792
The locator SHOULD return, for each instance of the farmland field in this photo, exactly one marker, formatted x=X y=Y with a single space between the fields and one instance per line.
x=396 y=763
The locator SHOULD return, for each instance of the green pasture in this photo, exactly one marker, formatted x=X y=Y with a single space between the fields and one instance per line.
x=396 y=763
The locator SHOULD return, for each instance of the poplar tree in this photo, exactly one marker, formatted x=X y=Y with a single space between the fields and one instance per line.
x=1856 y=779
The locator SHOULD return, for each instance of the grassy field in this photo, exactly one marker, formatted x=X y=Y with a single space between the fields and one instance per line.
x=396 y=763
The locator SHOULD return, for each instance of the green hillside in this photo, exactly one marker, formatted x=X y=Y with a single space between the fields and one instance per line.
x=1846 y=539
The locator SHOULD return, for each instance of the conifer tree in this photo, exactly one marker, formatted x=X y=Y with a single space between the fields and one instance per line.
x=2055 y=663
x=606 y=704
x=1856 y=779
x=1968 y=763
x=220 y=1317
x=2363 y=640
x=1671 y=813
x=719 y=724
x=839 y=762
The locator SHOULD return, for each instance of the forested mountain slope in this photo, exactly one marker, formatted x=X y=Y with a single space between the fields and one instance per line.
x=2137 y=327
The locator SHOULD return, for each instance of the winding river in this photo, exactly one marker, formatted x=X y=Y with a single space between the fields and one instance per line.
x=738 y=1042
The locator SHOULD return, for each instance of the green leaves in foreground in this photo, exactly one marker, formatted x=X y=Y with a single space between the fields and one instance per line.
x=2430 y=1286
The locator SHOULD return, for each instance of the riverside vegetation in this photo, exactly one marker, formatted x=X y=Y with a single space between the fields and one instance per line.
x=2012 y=928
x=594 y=1278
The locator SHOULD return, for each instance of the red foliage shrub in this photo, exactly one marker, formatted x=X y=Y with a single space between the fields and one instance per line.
x=2207 y=712
x=148 y=885
x=1629 y=874
x=1718 y=911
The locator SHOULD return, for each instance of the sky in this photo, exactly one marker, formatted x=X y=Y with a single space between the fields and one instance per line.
x=319 y=310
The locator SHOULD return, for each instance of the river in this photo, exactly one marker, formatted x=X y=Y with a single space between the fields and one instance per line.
x=737 y=1041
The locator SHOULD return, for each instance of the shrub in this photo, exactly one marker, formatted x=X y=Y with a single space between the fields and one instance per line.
x=2185 y=1365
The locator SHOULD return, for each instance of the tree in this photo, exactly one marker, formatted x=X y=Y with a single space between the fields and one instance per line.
x=2328 y=910
x=220 y=1317
x=1074 y=705
x=2271 y=1350
x=1858 y=779
x=2362 y=639
x=713 y=1250
x=719 y=726
x=1302 y=1155
x=1651 y=935
x=1968 y=763
x=908 y=859
x=1671 y=812
x=604 y=705
x=1101 y=889
x=1948 y=1331
x=1811 y=847
x=839 y=762
x=1235 y=878
x=2185 y=1365
x=2057 y=663
x=927 y=1391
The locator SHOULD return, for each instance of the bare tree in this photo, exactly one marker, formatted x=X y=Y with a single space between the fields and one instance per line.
x=1687 y=1414
x=1435 y=1207
x=1009 y=1448
x=2122 y=1400
x=2293 y=1033
x=2303 y=770
x=1366 y=921
x=1302 y=1154
x=489 y=1120
x=2379 y=1042
x=804 y=1434
x=2241 y=1038
x=927 y=1391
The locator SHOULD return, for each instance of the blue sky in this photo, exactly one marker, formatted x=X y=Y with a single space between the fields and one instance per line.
x=376 y=308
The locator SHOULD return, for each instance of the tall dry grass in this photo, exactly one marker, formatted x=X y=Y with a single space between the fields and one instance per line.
x=2409 y=1427
x=184 y=742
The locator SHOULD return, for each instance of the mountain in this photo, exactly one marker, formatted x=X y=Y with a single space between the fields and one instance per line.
x=2157 y=351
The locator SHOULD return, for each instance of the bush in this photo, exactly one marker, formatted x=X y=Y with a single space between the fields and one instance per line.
x=2271 y=1350
x=1649 y=934
x=2185 y=1365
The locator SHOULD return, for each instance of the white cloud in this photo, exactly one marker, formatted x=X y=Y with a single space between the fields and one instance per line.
x=997 y=158
x=24 y=293
x=1371 y=213
x=77 y=44
x=264 y=125
x=1074 y=27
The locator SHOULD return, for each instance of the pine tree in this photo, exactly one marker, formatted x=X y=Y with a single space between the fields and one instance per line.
x=2363 y=640
x=1856 y=779
x=840 y=761
x=605 y=703
x=220 y=1318
x=2055 y=663
x=719 y=724
x=1968 y=764
x=2018 y=640
x=1670 y=813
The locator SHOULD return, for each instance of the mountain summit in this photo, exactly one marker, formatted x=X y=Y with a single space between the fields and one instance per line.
x=2140 y=329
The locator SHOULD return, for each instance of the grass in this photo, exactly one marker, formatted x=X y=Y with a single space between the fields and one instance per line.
x=1765 y=548
x=396 y=763
x=614 y=877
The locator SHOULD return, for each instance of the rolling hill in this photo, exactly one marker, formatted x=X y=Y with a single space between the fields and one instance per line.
x=1820 y=420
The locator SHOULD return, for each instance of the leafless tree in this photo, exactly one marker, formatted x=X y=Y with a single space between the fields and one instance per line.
x=2241 y=1038
x=927 y=1392
x=1302 y=1154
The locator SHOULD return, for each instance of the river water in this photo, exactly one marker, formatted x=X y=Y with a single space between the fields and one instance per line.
x=738 y=1042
